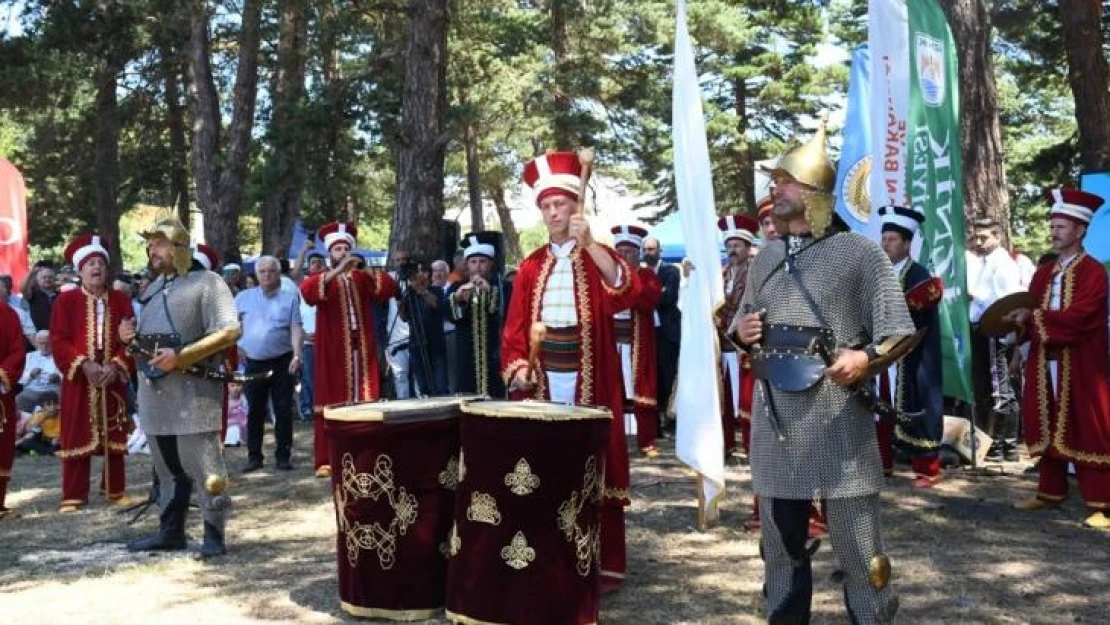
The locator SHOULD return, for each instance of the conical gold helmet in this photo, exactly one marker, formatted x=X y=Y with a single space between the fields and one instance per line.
x=175 y=232
x=808 y=163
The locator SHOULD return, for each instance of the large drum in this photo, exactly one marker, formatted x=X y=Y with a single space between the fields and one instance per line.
x=524 y=545
x=395 y=467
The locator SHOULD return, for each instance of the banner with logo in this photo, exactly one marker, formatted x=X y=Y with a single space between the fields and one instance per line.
x=13 y=224
x=853 y=175
x=935 y=181
x=888 y=42
x=699 y=439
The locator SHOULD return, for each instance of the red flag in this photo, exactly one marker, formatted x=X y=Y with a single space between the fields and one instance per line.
x=13 y=223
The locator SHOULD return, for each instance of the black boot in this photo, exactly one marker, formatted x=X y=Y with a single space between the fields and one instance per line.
x=171 y=523
x=213 y=544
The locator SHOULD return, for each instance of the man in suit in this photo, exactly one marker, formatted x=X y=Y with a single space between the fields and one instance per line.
x=668 y=329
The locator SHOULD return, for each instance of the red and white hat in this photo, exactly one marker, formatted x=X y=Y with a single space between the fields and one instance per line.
x=1078 y=206
x=555 y=173
x=83 y=247
x=338 y=232
x=738 y=227
x=629 y=235
x=206 y=255
x=764 y=207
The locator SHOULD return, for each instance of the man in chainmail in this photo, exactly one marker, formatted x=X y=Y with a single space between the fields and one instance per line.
x=820 y=307
x=188 y=319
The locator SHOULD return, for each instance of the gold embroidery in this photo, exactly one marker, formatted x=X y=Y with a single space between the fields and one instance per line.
x=585 y=322
x=449 y=477
x=373 y=537
x=537 y=306
x=510 y=369
x=621 y=494
x=453 y=543
x=518 y=554
x=483 y=509
x=585 y=540
x=479 y=328
x=522 y=481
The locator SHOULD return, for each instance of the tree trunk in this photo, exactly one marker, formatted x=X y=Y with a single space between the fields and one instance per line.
x=286 y=163
x=220 y=188
x=204 y=113
x=419 y=209
x=1089 y=78
x=175 y=123
x=980 y=135
x=745 y=164
x=331 y=202
x=513 y=253
x=107 y=162
x=562 y=120
x=473 y=167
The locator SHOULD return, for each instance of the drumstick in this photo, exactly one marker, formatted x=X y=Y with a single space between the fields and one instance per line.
x=586 y=157
x=535 y=337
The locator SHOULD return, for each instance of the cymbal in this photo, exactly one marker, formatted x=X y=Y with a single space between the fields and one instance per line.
x=993 y=322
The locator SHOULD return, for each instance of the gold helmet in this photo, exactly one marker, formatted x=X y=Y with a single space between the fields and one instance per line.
x=809 y=164
x=173 y=231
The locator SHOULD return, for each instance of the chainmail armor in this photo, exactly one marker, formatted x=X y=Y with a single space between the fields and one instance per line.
x=200 y=303
x=830 y=450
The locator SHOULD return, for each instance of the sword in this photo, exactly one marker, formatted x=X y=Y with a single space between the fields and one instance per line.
x=207 y=372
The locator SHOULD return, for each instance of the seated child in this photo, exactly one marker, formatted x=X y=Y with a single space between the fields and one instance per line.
x=44 y=429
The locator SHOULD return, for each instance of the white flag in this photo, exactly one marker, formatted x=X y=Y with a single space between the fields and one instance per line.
x=888 y=38
x=700 y=441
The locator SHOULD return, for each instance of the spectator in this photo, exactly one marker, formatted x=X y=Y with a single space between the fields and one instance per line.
x=40 y=375
x=250 y=281
x=459 y=271
x=308 y=354
x=396 y=329
x=271 y=342
x=233 y=276
x=39 y=290
x=423 y=307
x=144 y=282
x=19 y=306
x=237 y=419
x=441 y=280
x=45 y=428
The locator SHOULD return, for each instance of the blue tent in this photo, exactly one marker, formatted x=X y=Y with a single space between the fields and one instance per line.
x=301 y=232
x=1097 y=241
x=672 y=247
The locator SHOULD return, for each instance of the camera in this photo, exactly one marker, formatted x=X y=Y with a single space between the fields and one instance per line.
x=407 y=270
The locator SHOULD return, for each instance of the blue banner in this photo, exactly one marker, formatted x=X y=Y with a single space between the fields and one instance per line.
x=853 y=178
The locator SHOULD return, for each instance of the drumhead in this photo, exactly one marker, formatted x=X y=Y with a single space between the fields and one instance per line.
x=398 y=409
x=531 y=409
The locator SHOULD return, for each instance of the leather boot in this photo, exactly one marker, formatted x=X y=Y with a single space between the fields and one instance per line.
x=213 y=544
x=171 y=523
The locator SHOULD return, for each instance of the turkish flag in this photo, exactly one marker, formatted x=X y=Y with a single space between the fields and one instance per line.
x=13 y=224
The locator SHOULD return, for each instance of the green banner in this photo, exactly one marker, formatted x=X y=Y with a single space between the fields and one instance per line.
x=935 y=181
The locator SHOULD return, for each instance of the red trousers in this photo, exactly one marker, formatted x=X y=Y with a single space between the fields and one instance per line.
x=7 y=451
x=1094 y=484
x=320 y=442
x=613 y=550
x=746 y=435
x=75 y=478
x=926 y=465
x=647 y=426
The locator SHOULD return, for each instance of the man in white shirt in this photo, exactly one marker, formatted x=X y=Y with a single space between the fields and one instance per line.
x=17 y=304
x=992 y=274
x=40 y=374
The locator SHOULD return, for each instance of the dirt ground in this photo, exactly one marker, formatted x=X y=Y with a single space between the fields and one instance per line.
x=960 y=554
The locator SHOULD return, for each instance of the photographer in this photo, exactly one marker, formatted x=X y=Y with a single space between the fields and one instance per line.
x=423 y=308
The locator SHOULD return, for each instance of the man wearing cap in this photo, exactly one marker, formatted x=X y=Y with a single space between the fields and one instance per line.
x=478 y=306
x=992 y=274
x=738 y=232
x=766 y=223
x=913 y=385
x=573 y=285
x=1066 y=407
x=635 y=333
x=346 y=352
x=189 y=321
x=12 y=355
x=820 y=306
x=85 y=341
